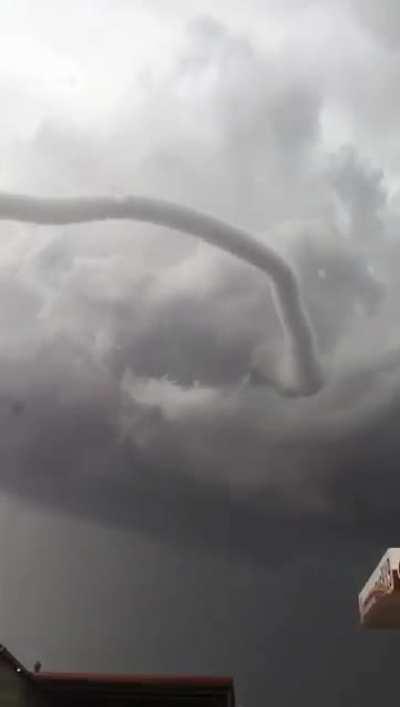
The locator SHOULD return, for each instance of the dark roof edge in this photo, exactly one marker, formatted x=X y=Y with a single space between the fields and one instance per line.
x=148 y=679
x=13 y=662
x=200 y=681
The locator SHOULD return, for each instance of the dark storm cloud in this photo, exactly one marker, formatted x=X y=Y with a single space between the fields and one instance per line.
x=223 y=514
x=300 y=373
x=104 y=315
x=246 y=480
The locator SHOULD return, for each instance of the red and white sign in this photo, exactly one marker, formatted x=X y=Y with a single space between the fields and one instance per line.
x=379 y=600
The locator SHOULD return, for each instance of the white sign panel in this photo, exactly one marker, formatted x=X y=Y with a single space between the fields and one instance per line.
x=379 y=600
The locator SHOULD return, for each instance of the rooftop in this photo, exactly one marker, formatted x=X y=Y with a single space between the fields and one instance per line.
x=148 y=690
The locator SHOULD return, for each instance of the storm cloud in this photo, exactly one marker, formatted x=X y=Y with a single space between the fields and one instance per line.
x=302 y=375
x=159 y=510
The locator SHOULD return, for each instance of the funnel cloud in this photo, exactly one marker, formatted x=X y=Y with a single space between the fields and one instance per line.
x=199 y=453
x=300 y=373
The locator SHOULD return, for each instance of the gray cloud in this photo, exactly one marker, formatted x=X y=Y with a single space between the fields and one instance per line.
x=383 y=22
x=300 y=372
x=360 y=189
x=157 y=512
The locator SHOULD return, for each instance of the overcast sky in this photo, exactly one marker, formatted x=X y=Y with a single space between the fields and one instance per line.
x=158 y=513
